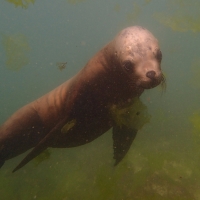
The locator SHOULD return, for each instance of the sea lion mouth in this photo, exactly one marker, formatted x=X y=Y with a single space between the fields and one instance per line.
x=153 y=83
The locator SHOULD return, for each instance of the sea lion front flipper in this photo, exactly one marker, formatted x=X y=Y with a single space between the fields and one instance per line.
x=123 y=137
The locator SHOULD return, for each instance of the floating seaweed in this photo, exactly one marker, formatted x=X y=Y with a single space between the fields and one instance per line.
x=21 y=3
x=133 y=116
x=195 y=73
x=68 y=126
x=16 y=48
x=61 y=65
x=182 y=20
x=75 y=1
x=181 y=23
x=45 y=155
x=136 y=11
x=195 y=130
x=195 y=120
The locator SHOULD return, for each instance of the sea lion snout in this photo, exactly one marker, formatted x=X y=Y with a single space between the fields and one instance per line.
x=154 y=79
x=151 y=74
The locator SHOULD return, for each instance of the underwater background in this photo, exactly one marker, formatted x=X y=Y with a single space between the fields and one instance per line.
x=45 y=42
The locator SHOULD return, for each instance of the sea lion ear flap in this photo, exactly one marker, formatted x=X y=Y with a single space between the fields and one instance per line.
x=123 y=137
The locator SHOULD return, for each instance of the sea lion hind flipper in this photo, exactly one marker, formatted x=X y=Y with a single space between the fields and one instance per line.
x=34 y=153
x=2 y=163
x=42 y=145
x=123 y=137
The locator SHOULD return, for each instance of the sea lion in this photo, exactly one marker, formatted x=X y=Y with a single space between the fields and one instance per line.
x=79 y=110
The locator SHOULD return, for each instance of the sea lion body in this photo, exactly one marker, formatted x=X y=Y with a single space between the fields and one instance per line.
x=78 y=111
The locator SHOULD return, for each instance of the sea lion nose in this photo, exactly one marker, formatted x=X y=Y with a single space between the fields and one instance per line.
x=151 y=74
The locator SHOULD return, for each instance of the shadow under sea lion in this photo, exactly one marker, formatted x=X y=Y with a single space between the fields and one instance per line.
x=80 y=110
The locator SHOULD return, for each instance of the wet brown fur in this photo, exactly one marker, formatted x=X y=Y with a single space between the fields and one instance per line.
x=115 y=75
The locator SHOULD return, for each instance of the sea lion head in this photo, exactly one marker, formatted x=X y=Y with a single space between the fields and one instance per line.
x=137 y=55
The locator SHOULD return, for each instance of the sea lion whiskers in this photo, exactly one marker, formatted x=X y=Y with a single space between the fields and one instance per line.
x=163 y=82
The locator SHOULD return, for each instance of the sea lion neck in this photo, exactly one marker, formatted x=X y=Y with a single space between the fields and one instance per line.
x=102 y=78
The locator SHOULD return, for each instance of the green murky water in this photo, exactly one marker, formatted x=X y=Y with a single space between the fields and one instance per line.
x=164 y=160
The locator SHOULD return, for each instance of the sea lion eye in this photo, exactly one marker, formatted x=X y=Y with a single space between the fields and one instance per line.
x=128 y=65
